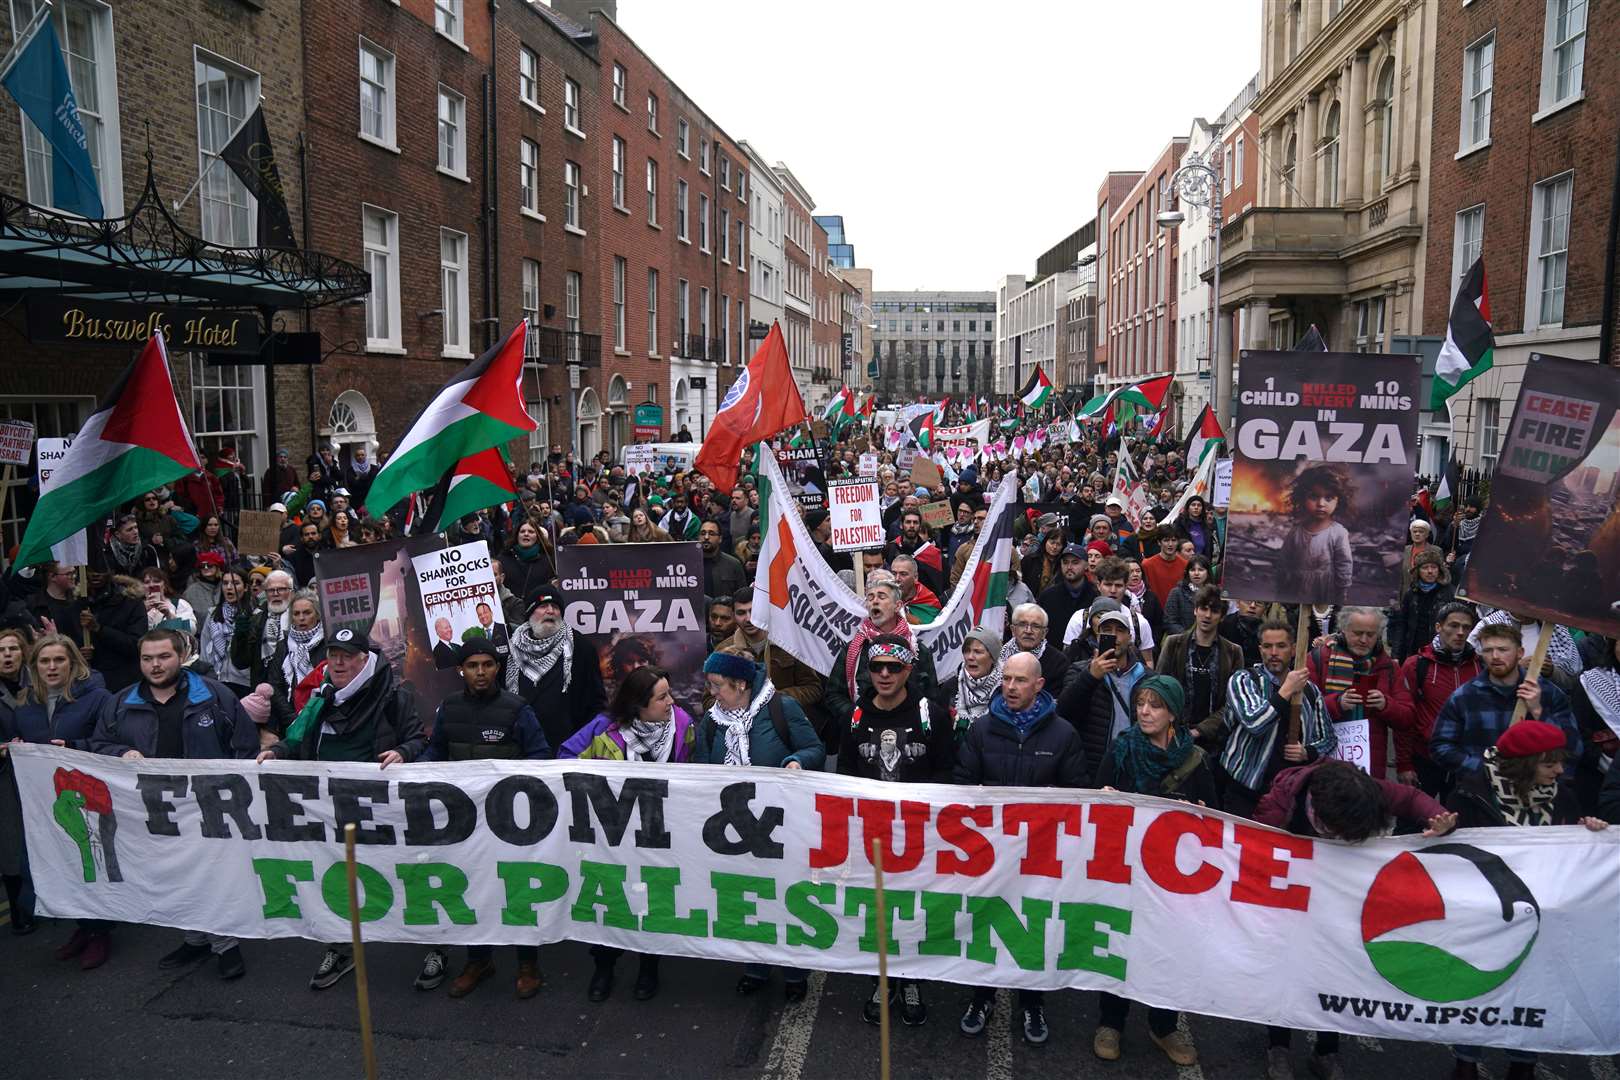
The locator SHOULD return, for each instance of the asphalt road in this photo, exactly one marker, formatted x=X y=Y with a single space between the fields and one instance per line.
x=129 y=1019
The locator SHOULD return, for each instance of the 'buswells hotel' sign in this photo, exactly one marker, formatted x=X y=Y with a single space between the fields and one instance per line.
x=74 y=321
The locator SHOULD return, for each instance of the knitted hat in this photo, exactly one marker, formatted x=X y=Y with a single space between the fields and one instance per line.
x=985 y=637
x=479 y=646
x=210 y=558
x=1528 y=738
x=729 y=666
x=257 y=704
x=1101 y=547
x=1104 y=518
x=1168 y=689
x=259 y=572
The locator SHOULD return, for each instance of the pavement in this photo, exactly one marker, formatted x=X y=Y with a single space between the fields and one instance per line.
x=129 y=1019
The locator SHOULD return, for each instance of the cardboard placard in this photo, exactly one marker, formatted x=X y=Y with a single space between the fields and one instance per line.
x=868 y=465
x=258 y=532
x=924 y=473
x=937 y=515
x=856 y=515
x=16 y=442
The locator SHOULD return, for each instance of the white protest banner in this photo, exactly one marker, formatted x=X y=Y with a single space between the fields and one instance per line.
x=974 y=436
x=75 y=550
x=1501 y=937
x=868 y=465
x=459 y=599
x=16 y=442
x=1355 y=743
x=1222 y=495
x=856 y=515
x=659 y=457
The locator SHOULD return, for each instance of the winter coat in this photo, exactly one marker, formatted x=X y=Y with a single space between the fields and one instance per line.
x=246 y=653
x=523 y=576
x=836 y=700
x=1394 y=716
x=120 y=613
x=384 y=702
x=201 y=493
x=1171 y=660
x=723 y=576
x=1425 y=684
x=213 y=726
x=765 y=748
x=1413 y=624
x=282 y=708
x=602 y=740
x=1178 y=609
x=934 y=739
x=1087 y=703
x=1051 y=754
x=561 y=714
x=1476 y=805
x=1477 y=713
x=789 y=674
x=1609 y=797
x=74 y=722
x=1259 y=720
x=1195 y=785
x=1284 y=801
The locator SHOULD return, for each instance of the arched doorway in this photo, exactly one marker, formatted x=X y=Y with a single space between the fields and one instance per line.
x=618 y=405
x=350 y=422
x=589 y=427
x=680 y=408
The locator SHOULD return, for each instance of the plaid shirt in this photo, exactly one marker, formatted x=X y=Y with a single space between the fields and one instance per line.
x=1478 y=711
x=1254 y=719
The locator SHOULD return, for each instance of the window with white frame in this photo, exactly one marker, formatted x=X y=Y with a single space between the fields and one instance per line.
x=619 y=87
x=1226 y=171
x=529 y=76
x=742 y=231
x=703 y=222
x=683 y=138
x=1330 y=157
x=223 y=405
x=725 y=328
x=85 y=30
x=683 y=307
x=652 y=311
x=1369 y=325
x=453 y=288
x=652 y=192
x=1479 y=61
x=618 y=172
x=703 y=156
x=452 y=132
x=571 y=194
x=1237 y=164
x=447 y=18
x=573 y=290
x=725 y=173
x=381 y=239
x=531 y=307
x=1386 y=119
x=1549 y=250
x=680 y=210
x=572 y=120
x=376 y=93
x=1563 y=53
x=652 y=113
x=620 y=331
x=1467 y=237
x=226 y=94
x=1489 y=413
x=725 y=235
x=529 y=175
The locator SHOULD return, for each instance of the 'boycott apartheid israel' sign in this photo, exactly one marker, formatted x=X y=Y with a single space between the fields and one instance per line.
x=1499 y=937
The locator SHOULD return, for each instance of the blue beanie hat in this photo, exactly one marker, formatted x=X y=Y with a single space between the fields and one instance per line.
x=730 y=666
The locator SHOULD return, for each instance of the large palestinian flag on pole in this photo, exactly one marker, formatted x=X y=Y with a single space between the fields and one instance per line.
x=478 y=481
x=136 y=441
x=1037 y=390
x=1122 y=403
x=1470 y=343
x=481 y=407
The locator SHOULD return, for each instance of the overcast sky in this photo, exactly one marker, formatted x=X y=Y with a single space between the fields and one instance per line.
x=959 y=140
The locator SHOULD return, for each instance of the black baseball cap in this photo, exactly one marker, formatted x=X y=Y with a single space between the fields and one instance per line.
x=349 y=640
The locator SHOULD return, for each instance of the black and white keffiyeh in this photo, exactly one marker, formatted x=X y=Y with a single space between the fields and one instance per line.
x=298 y=664
x=649 y=740
x=1011 y=649
x=534 y=656
x=1602 y=686
x=973 y=694
x=736 y=724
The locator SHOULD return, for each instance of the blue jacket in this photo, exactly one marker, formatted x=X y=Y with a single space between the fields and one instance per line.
x=214 y=725
x=1478 y=711
x=765 y=747
x=73 y=722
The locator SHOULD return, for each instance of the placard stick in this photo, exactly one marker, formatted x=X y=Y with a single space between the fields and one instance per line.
x=1538 y=656
x=1302 y=647
x=5 y=494
x=883 y=960
x=360 y=989
x=860 y=573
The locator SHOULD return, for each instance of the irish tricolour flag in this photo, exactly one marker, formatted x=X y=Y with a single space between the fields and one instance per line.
x=1037 y=390
x=480 y=408
x=136 y=441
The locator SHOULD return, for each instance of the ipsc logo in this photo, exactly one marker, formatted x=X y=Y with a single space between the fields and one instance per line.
x=1448 y=923
x=83 y=800
x=736 y=394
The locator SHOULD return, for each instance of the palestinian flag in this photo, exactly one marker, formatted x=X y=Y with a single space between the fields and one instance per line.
x=477 y=482
x=1149 y=395
x=840 y=409
x=1205 y=437
x=479 y=408
x=1445 y=492
x=869 y=406
x=135 y=441
x=990 y=576
x=922 y=430
x=1037 y=390
x=1467 y=352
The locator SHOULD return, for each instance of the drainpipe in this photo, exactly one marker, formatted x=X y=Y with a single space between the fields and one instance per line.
x=490 y=217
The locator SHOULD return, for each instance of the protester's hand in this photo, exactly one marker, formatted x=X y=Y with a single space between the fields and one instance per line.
x=1529 y=692
x=389 y=757
x=1375 y=700
x=1104 y=663
x=264 y=756
x=157 y=539
x=1294 y=752
x=1351 y=697
x=1546 y=669
x=1407 y=778
x=50 y=624
x=1441 y=824
x=287 y=549
x=1320 y=640
x=58 y=742
x=87 y=651
x=1293 y=683
x=88 y=620
x=1594 y=824
x=793 y=765
x=1106 y=787
x=132 y=755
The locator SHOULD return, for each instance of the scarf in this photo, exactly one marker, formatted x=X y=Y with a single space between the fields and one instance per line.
x=973 y=695
x=1141 y=764
x=649 y=740
x=1343 y=668
x=298 y=664
x=857 y=648
x=275 y=628
x=127 y=557
x=1023 y=720
x=1009 y=650
x=737 y=722
x=1138 y=590
x=1602 y=686
x=1451 y=656
x=526 y=554
x=310 y=713
x=216 y=635
x=1534 y=810
x=1467 y=529
x=535 y=656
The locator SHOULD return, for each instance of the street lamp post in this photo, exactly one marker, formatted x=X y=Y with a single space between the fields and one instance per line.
x=1198 y=182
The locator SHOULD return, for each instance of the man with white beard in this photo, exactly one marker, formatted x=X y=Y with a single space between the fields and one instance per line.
x=259 y=633
x=554 y=669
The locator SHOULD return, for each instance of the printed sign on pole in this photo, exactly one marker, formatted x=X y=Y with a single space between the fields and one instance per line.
x=1222 y=495
x=16 y=442
x=868 y=465
x=459 y=600
x=857 y=516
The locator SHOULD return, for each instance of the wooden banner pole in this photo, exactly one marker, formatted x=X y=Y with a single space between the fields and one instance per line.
x=360 y=988
x=883 y=959
x=1538 y=656
x=1302 y=646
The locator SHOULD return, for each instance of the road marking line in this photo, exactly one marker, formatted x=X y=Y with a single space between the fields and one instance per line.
x=791 y=1045
x=1194 y=1071
x=998 y=1065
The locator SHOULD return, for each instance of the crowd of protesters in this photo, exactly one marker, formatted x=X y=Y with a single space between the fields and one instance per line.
x=1124 y=667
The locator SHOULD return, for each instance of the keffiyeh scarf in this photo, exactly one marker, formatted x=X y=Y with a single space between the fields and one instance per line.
x=535 y=656
x=1534 y=810
x=275 y=628
x=298 y=663
x=857 y=647
x=973 y=695
x=1011 y=649
x=216 y=633
x=736 y=724
x=1602 y=686
x=649 y=740
x=126 y=557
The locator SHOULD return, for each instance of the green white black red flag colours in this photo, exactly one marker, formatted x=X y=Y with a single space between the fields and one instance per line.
x=1470 y=342
x=1037 y=390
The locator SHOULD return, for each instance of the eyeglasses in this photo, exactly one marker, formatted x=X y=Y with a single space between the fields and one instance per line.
x=277 y=589
x=1025 y=624
x=887 y=669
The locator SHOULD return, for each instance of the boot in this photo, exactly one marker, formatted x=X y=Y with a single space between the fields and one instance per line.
x=96 y=950
x=528 y=981
x=474 y=973
x=646 y=986
x=601 y=980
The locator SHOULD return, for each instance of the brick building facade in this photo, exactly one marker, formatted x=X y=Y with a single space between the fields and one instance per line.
x=1141 y=270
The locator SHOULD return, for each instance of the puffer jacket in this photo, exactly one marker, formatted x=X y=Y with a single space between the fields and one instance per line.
x=74 y=722
x=1425 y=683
x=1051 y=754
x=1087 y=704
x=601 y=739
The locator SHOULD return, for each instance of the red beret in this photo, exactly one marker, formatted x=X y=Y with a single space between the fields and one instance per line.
x=1528 y=738
x=210 y=558
x=1100 y=546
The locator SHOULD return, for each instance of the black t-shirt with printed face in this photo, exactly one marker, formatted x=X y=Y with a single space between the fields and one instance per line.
x=896 y=744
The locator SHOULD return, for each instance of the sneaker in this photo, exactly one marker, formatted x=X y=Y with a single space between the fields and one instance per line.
x=1105 y=1044
x=1278 y=1065
x=95 y=951
x=474 y=973
x=74 y=945
x=333 y=966
x=913 y=1013
x=1326 y=1067
x=231 y=965
x=432 y=973
x=872 y=1011
x=185 y=954
x=1178 y=1047
x=976 y=1016
x=1035 y=1031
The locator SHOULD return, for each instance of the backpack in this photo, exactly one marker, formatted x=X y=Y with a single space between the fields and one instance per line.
x=779 y=722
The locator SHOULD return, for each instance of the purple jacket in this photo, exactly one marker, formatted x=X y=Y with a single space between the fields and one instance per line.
x=601 y=739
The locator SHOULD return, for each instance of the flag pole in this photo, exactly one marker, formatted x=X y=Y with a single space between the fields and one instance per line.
x=25 y=38
x=883 y=959
x=1302 y=647
x=192 y=190
x=367 y=1049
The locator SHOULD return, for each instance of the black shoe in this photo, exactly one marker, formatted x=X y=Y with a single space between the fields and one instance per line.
x=22 y=925
x=601 y=983
x=750 y=984
x=231 y=965
x=872 y=1011
x=1035 y=1031
x=976 y=1016
x=793 y=992
x=646 y=987
x=913 y=1013
x=185 y=954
